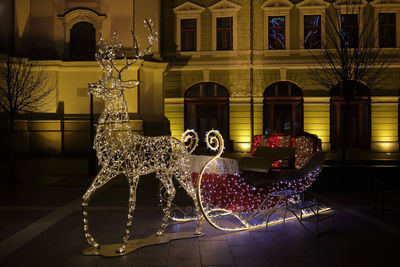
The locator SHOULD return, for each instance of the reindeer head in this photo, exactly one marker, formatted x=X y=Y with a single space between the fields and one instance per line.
x=111 y=85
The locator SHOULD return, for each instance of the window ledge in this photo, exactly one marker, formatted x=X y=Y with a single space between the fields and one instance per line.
x=310 y=52
x=224 y=53
x=277 y=52
x=197 y=54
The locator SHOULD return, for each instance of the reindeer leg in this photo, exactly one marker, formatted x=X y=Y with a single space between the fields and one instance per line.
x=133 y=182
x=169 y=187
x=101 y=179
x=186 y=182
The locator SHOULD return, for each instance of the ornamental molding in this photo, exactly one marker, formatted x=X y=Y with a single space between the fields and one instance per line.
x=188 y=8
x=340 y=3
x=77 y=15
x=224 y=6
x=70 y=18
x=386 y=3
x=313 y=4
x=286 y=4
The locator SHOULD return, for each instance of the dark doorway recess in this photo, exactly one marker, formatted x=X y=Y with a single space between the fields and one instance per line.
x=83 y=41
x=206 y=108
x=350 y=122
x=283 y=108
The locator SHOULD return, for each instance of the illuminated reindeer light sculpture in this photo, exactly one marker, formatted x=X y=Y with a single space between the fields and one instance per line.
x=121 y=151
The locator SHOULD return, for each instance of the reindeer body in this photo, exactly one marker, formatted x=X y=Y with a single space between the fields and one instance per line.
x=121 y=151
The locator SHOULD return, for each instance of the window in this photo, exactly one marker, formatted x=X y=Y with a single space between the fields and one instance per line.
x=283 y=108
x=224 y=27
x=276 y=33
x=188 y=35
x=83 y=41
x=350 y=125
x=387 y=18
x=188 y=31
x=277 y=26
x=387 y=29
x=224 y=33
x=312 y=31
x=312 y=23
x=82 y=29
x=207 y=107
x=349 y=30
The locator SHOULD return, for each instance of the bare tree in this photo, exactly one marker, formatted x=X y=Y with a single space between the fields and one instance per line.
x=348 y=55
x=24 y=88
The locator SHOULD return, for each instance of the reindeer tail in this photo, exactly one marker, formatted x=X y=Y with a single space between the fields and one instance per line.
x=190 y=139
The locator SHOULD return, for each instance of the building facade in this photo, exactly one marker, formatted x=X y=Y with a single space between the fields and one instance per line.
x=243 y=67
x=240 y=66
x=62 y=36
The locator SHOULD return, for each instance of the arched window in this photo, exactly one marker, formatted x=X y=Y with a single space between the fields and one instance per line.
x=80 y=25
x=283 y=108
x=83 y=41
x=350 y=124
x=206 y=108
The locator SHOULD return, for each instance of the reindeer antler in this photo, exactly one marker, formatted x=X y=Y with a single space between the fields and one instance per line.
x=107 y=53
x=148 y=24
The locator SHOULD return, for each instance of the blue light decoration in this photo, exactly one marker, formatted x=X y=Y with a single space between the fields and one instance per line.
x=349 y=35
x=343 y=34
x=276 y=33
x=312 y=31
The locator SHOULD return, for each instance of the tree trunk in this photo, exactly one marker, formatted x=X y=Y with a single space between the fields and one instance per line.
x=346 y=121
x=11 y=150
x=344 y=130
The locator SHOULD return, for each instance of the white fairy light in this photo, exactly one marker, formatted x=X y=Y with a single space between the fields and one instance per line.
x=121 y=151
x=229 y=203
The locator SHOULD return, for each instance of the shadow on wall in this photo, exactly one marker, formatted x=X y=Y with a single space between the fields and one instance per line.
x=44 y=136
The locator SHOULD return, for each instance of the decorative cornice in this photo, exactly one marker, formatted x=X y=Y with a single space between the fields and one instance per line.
x=277 y=4
x=311 y=4
x=188 y=8
x=224 y=6
x=82 y=14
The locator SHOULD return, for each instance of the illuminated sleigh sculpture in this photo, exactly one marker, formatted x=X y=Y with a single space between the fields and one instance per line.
x=227 y=201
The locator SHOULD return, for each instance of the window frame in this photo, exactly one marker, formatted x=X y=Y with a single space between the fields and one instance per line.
x=347 y=7
x=277 y=8
x=188 y=10
x=379 y=29
x=230 y=46
x=187 y=31
x=358 y=41
x=272 y=27
x=221 y=9
x=70 y=18
x=312 y=7
x=386 y=6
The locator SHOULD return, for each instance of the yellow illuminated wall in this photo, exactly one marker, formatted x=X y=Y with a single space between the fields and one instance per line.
x=239 y=117
x=174 y=111
x=384 y=124
x=316 y=118
x=258 y=115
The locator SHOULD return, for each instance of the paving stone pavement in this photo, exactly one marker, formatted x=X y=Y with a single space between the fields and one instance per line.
x=41 y=225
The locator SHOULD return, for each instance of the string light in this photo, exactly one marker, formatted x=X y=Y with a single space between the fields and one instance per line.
x=121 y=151
x=228 y=202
